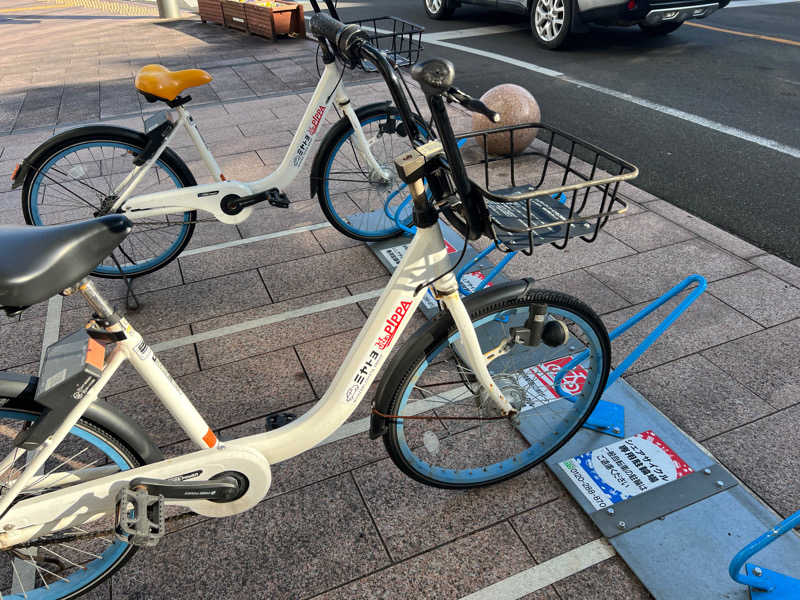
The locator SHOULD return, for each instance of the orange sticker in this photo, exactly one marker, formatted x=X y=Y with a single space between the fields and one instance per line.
x=95 y=354
x=210 y=439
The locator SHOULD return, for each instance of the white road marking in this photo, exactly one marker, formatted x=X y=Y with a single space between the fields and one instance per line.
x=547 y=573
x=673 y=112
x=253 y=323
x=506 y=59
x=475 y=31
x=697 y=120
x=255 y=238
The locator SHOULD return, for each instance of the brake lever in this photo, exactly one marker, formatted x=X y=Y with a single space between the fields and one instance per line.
x=472 y=104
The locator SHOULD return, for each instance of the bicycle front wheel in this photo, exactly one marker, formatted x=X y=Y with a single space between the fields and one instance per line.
x=452 y=436
x=69 y=562
x=76 y=178
x=356 y=200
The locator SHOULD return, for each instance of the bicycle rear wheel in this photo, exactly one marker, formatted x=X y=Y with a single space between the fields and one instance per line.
x=67 y=563
x=74 y=179
x=429 y=380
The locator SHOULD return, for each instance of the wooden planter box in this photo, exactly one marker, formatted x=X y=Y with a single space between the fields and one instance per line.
x=270 y=22
x=281 y=18
x=210 y=10
x=234 y=15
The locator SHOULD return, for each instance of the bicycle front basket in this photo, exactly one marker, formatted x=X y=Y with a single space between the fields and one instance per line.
x=554 y=189
x=398 y=39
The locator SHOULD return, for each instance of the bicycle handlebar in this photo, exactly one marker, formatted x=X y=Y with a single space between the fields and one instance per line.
x=435 y=77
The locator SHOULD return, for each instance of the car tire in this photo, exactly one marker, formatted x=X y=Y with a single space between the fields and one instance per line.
x=551 y=21
x=660 y=29
x=439 y=9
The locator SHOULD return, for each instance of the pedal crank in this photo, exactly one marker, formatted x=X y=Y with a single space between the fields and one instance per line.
x=233 y=204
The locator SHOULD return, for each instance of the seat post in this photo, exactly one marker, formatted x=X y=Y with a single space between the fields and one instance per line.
x=99 y=305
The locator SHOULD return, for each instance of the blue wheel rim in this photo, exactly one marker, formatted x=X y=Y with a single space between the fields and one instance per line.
x=484 y=473
x=107 y=269
x=389 y=231
x=110 y=555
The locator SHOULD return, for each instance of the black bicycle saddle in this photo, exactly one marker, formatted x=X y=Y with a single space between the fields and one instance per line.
x=38 y=262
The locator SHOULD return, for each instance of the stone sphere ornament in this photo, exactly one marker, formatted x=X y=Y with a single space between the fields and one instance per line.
x=516 y=106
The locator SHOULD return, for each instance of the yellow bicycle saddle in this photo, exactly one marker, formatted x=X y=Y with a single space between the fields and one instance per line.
x=162 y=84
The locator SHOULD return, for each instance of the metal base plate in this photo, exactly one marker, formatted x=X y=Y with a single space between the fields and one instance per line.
x=686 y=553
x=661 y=501
x=786 y=588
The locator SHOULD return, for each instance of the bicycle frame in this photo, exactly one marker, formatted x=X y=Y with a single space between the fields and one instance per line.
x=425 y=259
x=207 y=197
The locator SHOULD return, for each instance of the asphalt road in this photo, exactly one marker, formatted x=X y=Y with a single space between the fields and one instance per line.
x=749 y=84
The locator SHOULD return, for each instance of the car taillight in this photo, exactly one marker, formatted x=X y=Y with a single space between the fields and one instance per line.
x=631 y=4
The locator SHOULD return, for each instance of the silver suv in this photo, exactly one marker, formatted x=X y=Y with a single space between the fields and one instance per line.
x=552 y=21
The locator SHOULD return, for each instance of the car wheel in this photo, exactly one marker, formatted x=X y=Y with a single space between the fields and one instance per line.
x=660 y=29
x=440 y=9
x=551 y=21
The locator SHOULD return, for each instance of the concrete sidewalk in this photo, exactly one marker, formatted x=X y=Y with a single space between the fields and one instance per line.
x=341 y=521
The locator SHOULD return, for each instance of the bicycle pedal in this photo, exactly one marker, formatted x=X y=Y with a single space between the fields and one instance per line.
x=279 y=420
x=277 y=198
x=140 y=517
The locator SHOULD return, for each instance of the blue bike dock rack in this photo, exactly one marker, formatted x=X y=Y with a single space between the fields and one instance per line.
x=608 y=417
x=763 y=583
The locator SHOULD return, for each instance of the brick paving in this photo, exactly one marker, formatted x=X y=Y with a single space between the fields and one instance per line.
x=341 y=521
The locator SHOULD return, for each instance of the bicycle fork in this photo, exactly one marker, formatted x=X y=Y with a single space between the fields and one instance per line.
x=362 y=145
x=410 y=167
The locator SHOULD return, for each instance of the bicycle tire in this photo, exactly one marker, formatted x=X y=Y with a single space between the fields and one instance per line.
x=63 y=585
x=149 y=247
x=336 y=144
x=419 y=455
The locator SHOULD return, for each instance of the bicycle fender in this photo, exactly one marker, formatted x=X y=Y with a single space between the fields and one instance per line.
x=425 y=337
x=317 y=166
x=21 y=391
x=33 y=160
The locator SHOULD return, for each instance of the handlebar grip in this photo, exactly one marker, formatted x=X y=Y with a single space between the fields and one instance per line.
x=475 y=105
x=435 y=76
x=323 y=25
x=340 y=36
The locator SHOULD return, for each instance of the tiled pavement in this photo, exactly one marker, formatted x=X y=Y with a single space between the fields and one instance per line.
x=341 y=521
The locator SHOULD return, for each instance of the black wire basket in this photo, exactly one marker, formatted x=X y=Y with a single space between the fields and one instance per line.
x=556 y=188
x=400 y=40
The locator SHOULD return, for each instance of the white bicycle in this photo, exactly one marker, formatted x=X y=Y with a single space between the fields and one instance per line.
x=95 y=170
x=486 y=390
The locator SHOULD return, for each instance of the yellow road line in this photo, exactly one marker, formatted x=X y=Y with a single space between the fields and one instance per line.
x=23 y=8
x=119 y=8
x=743 y=34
